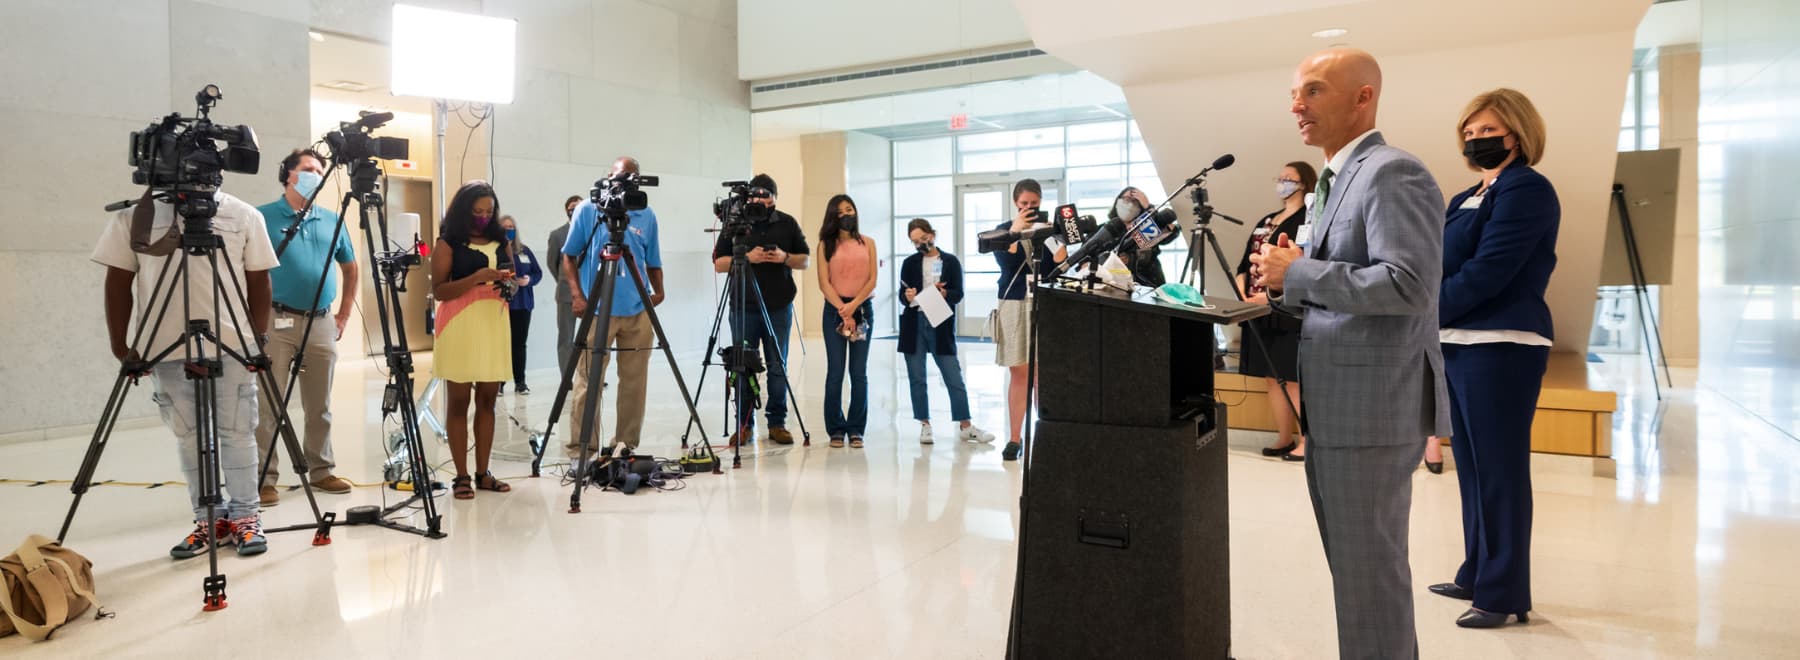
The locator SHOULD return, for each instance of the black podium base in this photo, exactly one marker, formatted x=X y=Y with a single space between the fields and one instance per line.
x=1128 y=551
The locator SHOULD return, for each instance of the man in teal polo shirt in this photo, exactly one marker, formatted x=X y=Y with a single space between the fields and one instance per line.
x=299 y=299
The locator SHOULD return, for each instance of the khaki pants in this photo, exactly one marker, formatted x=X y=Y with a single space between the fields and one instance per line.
x=315 y=392
x=625 y=332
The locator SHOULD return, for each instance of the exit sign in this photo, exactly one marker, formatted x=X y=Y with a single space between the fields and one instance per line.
x=959 y=122
x=406 y=165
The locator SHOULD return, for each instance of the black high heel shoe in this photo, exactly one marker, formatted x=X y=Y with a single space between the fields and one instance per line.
x=1452 y=590
x=1475 y=618
x=1279 y=451
x=1435 y=468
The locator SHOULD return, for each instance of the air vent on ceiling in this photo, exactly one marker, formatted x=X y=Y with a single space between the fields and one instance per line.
x=894 y=71
x=347 y=86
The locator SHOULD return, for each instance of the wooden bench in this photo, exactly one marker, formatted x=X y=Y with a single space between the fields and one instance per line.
x=1574 y=416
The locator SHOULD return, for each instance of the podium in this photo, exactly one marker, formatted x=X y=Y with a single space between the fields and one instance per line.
x=1125 y=548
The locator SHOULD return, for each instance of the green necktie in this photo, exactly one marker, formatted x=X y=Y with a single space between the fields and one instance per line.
x=1321 y=193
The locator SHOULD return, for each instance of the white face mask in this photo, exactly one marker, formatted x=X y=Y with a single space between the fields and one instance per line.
x=1286 y=189
x=1126 y=209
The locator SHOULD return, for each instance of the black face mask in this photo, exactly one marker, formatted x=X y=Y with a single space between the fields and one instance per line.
x=847 y=223
x=1486 y=153
x=923 y=248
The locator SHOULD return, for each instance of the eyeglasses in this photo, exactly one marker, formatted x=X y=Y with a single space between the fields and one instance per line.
x=1281 y=180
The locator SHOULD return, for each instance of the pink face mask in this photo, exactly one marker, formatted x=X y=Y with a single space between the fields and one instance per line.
x=481 y=222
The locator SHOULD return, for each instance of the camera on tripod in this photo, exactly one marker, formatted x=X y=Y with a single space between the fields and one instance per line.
x=617 y=195
x=739 y=212
x=182 y=155
x=353 y=145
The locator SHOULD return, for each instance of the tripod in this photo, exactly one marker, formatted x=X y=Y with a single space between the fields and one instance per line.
x=1640 y=291
x=196 y=207
x=388 y=271
x=599 y=311
x=740 y=284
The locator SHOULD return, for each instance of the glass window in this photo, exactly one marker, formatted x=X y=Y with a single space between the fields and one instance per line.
x=1041 y=158
x=1041 y=137
x=922 y=157
x=917 y=197
x=1104 y=153
x=1139 y=152
x=1102 y=131
x=1143 y=177
x=988 y=141
x=988 y=161
x=1627 y=139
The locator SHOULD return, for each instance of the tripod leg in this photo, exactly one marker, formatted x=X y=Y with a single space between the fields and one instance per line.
x=712 y=344
x=1646 y=320
x=609 y=273
x=577 y=349
x=777 y=343
x=91 y=460
x=662 y=339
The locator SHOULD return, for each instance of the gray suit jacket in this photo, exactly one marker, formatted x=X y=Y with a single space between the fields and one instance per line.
x=1370 y=364
x=557 y=236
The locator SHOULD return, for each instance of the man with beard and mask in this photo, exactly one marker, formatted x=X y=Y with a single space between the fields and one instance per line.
x=565 y=318
x=308 y=245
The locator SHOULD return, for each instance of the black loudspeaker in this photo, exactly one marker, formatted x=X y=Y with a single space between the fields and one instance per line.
x=1127 y=550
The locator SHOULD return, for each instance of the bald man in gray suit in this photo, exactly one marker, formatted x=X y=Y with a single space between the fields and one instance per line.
x=1363 y=274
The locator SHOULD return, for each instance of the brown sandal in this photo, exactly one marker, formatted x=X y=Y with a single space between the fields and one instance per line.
x=487 y=481
x=461 y=487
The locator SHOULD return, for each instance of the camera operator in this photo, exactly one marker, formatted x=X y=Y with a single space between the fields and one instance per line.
x=629 y=329
x=778 y=249
x=1012 y=330
x=246 y=244
x=565 y=317
x=295 y=282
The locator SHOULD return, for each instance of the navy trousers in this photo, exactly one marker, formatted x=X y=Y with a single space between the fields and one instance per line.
x=1493 y=397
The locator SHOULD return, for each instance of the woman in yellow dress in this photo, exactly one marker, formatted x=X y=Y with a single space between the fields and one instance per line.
x=473 y=350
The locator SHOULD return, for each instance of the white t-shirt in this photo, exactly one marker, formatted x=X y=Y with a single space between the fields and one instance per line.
x=247 y=245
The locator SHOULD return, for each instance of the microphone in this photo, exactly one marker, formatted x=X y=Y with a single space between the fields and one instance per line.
x=1159 y=228
x=1103 y=239
x=1000 y=239
x=1219 y=163
x=373 y=119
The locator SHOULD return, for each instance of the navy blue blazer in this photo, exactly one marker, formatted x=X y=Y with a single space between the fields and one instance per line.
x=1497 y=261
x=912 y=276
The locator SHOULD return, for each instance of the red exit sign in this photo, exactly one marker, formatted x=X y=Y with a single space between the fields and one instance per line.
x=959 y=122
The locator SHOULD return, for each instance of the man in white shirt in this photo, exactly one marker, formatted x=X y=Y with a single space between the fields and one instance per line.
x=247 y=252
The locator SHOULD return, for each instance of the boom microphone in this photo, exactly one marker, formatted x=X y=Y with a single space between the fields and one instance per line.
x=1219 y=163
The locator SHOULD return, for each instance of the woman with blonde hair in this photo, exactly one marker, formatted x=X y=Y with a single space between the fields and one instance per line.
x=1499 y=251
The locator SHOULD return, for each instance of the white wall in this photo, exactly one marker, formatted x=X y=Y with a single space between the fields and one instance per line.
x=785 y=38
x=80 y=75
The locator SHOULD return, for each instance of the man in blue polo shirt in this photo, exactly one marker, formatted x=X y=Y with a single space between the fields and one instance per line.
x=629 y=329
x=298 y=299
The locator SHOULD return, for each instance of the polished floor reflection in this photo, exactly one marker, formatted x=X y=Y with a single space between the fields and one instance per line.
x=900 y=550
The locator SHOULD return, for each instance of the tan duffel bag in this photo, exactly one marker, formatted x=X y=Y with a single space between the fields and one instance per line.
x=42 y=586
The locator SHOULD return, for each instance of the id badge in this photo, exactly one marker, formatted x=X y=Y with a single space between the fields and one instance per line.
x=284 y=323
x=1303 y=237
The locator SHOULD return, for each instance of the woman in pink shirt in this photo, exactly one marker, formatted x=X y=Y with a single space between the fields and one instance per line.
x=848 y=280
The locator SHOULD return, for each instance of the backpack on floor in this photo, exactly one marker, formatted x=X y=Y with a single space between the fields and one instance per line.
x=42 y=586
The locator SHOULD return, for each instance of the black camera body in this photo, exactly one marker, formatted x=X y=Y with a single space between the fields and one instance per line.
x=354 y=146
x=617 y=195
x=177 y=154
x=738 y=213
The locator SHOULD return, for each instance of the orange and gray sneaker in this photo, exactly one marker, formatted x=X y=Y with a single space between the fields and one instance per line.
x=200 y=539
x=247 y=535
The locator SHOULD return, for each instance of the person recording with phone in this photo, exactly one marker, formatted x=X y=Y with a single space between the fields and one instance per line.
x=780 y=249
x=296 y=282
x=931 y=269
x=629 y=331
x=565 y=317
x=848 y=282
x=526 y=274
x=1012 y=317
x=247 y=249
x=1277 y=357
x=473 y=349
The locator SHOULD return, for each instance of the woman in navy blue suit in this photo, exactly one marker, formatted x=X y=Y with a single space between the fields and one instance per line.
x=1499 y=251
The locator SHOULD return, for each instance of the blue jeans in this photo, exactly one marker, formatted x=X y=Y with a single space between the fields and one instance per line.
x=838 y=351
x=773 y=350
x=947 y=365
x=235 y=414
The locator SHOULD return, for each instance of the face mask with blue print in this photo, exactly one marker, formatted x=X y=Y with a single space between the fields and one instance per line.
x=512 y=234
x=306 y=183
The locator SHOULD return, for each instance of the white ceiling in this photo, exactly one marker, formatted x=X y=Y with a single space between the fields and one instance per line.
x=1077 y=90
x=344 y=58
x=789 y=38
x=1160 y=40
x=1670 y=24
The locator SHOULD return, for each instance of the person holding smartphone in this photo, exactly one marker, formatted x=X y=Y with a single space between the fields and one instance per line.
x=473 y=349
x=1012 y=329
